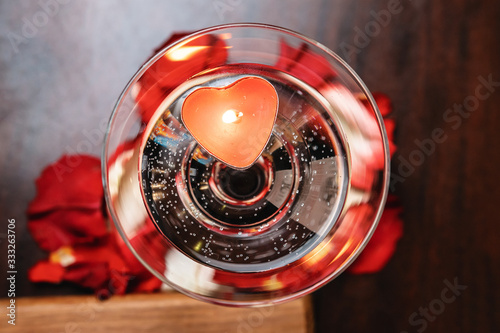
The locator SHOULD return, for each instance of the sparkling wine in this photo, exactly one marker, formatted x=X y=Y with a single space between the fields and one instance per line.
x=260 y=218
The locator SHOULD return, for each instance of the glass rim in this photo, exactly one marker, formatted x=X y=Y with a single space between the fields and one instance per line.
x=357 y=80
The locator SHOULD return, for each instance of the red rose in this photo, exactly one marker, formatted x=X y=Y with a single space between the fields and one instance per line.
x=382 y=245
x=68 y=208
x=67 y=219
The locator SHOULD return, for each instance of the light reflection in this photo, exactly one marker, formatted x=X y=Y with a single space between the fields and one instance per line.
x=230 y=116
x=226 y=35
x=184 y=52
x=343 y=250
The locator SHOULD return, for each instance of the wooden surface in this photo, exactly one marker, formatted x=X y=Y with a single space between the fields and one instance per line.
x=59 y=84
x=168 y=313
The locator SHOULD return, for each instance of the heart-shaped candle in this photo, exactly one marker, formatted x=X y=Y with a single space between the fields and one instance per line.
x=233 y=123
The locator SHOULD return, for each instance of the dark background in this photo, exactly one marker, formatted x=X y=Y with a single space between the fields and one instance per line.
x=59 y=80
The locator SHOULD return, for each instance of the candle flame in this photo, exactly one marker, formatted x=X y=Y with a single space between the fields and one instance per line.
x=230 y=116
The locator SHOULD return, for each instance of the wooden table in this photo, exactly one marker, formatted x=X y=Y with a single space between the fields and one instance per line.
x=61 y=71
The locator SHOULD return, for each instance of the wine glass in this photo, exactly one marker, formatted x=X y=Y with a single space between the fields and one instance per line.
x=272 y=231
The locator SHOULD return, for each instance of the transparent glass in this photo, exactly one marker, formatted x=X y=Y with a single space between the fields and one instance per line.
x=277 y=230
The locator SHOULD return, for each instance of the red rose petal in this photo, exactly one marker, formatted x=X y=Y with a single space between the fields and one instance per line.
x=146 y=283
x=157 y=249
x=71 y=182
x=166 y=73
x=149 y=99
x=288 y=56
x=96 y=265
x=173 y=38
x=208 y=51
x=390 y=126
x=89 y=275
x=382 y=245
x=118 y=282
x=50 y=237
x=304 y=64
x=104 y=251
x=106 y=267
x=45 y=271
x=67 y=227
x=383 y=102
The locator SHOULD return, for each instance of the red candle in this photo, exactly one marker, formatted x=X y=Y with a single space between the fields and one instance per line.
x=233 y=123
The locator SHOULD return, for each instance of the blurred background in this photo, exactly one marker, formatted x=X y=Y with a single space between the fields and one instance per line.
x=63 y=64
